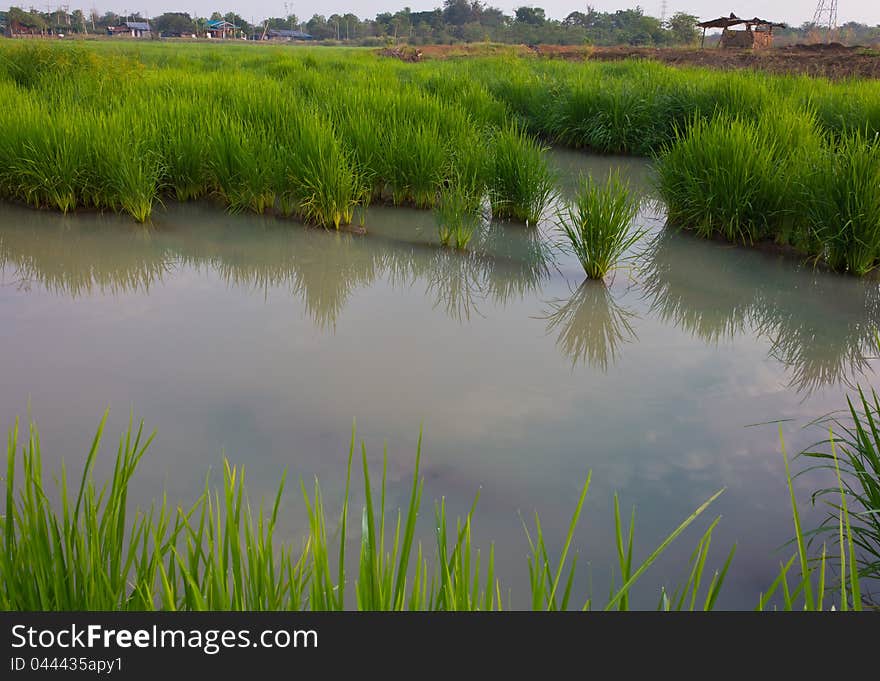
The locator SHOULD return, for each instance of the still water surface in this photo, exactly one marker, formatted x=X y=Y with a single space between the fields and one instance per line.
x=262 y=341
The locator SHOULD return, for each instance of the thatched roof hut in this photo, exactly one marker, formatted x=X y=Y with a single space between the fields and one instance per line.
x=758 y=33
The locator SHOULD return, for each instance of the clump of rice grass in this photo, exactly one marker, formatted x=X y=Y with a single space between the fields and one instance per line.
x=416 y=157
x=723 y=178
x=521 y=184
x=607 y=118
x=597 y=224
x=842 y=196
x=459 y=215
x=240 y=172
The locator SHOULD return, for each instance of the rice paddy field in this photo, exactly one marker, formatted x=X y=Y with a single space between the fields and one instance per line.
x=250 y=247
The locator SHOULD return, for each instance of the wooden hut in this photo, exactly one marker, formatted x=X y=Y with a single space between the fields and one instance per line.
x=285 y=34
x=757 y=34
x=131 y=29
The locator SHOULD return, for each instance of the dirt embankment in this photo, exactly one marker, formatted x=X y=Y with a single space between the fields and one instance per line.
x=831 y=61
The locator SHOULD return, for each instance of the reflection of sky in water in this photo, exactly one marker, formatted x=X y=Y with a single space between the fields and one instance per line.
x=262 y=340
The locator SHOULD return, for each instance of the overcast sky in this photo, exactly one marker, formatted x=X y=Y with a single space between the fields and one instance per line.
x=791 y=11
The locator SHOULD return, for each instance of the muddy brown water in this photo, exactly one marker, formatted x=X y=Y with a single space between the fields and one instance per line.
x=262 y=341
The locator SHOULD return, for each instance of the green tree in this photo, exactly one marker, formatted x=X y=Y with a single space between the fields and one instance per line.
x=289 y=22
x=530 y=15
x=20 y=20
x=683 y=28
x=459 y=12
x=179 y=23
x=350 y=25
x=238 y=22
x=318 y=28
x=78 y=20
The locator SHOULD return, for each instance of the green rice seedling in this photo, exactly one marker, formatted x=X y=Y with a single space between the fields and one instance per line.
x=403 y=131
x=384 y=560
x=843 y=203
x=136 y=181
x=687 y=596
x=521 y=184
x=809 y=589
x=240 y=169
x=458 y=214
x=322 y=183
x=415 y=163
x=550 y=592
x=619 y=597
x=363 y=138
x=326 y=591
x=461 y=585
x=852 y=452
x=43 y=161
x=230 y=561
x=456 y=87
x=598 y=225
x=89 y=554
x=183 y=129
x=522 y=90
x=842 y=108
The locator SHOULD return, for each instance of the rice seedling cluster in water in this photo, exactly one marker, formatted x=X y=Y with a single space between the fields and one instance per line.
x=749 y=181
x=521 y=185
x=459 y=216
x=598 y=224
x=88 y=552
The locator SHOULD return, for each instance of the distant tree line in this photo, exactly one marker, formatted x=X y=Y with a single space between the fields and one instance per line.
x=455 y=21
x=850 y=33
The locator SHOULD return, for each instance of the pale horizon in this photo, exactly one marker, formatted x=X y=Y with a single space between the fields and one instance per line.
x=792 y=12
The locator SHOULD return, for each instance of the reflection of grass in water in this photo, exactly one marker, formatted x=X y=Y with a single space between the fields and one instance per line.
x=592 y=326
x=518 y=262
x=818 y=351
x=819 y=326
x=457 y=282
x=692 y=288
x=78 y=263
x=325 y=281
x=322 y=268
x=811 y=365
